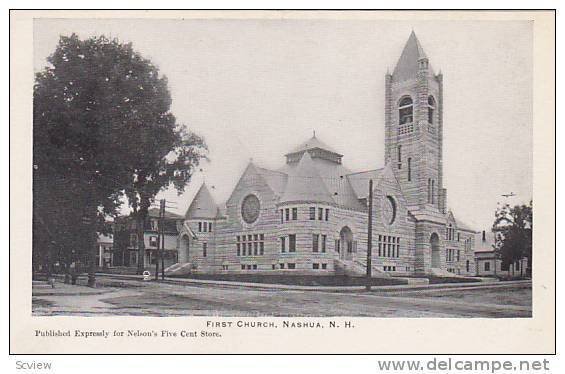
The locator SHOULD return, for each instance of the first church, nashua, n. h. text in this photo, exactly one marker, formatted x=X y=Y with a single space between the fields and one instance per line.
x=311 y=215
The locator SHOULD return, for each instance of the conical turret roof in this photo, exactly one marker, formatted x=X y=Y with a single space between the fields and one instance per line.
x=305 y=184
x=203 y=205
x=407 y=65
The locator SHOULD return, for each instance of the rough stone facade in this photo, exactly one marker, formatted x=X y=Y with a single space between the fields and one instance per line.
x=311 y=215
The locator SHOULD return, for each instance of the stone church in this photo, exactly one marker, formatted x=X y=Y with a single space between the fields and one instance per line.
x=311 y=215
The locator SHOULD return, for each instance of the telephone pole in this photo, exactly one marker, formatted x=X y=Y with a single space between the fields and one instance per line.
x=370 y=237
x=160 y=241
x=162 y=237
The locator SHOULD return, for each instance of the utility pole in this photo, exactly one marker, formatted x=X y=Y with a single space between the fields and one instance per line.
x=162 y=237
x=370 y=237
x=158 y=243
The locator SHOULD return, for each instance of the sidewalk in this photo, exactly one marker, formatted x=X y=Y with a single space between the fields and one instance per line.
x=41 y=288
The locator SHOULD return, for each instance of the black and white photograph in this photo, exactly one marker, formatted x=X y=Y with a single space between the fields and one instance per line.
x=306 y=170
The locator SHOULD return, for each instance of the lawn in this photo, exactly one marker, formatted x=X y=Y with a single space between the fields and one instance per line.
x=299 y=280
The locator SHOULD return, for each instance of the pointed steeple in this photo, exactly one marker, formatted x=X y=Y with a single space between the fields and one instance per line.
x=408 y=63
x=203 y=205
x=305 y=184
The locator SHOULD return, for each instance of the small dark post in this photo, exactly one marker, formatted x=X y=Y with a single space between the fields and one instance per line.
x=370 y=237
x=162 y=230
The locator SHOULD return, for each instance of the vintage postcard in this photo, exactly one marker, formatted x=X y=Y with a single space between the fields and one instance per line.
x=279 y=181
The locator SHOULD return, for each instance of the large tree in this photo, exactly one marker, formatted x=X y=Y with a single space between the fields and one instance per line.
x=176 y=154
x=513 y=233
x=100 y=110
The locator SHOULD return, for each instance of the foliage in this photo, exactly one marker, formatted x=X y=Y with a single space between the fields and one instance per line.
x=513 y=233
x=102 y=128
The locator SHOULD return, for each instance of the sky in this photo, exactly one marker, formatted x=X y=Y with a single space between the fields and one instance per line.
x=254 y=89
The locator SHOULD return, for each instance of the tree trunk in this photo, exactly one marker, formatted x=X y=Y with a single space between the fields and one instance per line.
x=92 y=248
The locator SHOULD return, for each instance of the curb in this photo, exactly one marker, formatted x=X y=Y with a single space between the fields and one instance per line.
x=375 y=289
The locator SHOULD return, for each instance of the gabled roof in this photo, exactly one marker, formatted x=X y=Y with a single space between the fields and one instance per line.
x=305 y=184
x=203 y=205
x=485 y=246
x=313 y=143
x=407 y=65
x=154 y=213
x=463 y=226
x=186 y=230
x=360 y=181
x=275 y=179
x=460 y=224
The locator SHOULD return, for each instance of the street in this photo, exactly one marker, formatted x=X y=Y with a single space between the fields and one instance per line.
x=115 y=297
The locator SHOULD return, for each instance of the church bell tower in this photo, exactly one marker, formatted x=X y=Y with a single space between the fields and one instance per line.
x=414 y=128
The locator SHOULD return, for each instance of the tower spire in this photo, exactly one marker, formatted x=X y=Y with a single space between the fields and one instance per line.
x=407 y=66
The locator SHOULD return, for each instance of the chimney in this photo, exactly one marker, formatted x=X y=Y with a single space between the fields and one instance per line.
x=484 y=236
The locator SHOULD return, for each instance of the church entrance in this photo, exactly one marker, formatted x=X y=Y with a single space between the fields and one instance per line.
x=184 y=247
x=345 y=243
x=434 y=244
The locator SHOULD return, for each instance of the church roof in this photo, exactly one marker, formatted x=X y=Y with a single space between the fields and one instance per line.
x=463 y=226
x=407 y=65
x=305 y=184
x=360 y=181
x=203 y=205
x=275 y=179
x=313 y=143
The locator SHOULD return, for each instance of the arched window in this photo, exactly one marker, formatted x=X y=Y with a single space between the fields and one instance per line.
x=431 y=108
x=405 y=110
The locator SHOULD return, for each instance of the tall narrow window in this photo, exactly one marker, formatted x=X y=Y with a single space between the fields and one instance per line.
x=294 y=214
x=292 y=243
x=409 y=169
x=324 y=237
x=429 y=190
x=327 y=214
x=431 y=107
x=199 y=226
x=283 y=244
x=320 y=214
x=433 y=188
x=399 y=156
x=312 y=213
x=315 y=242
x=204 y=249
x=405 y=110
x=287 y=213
